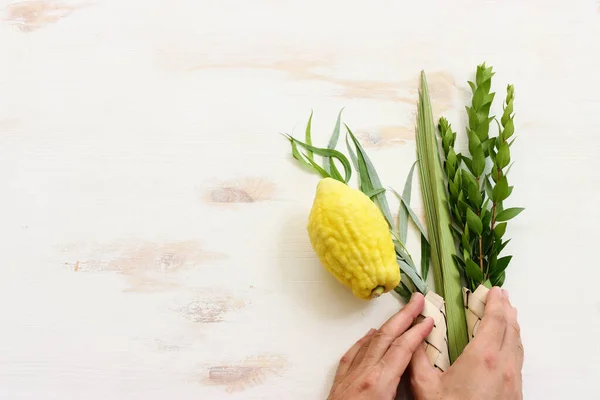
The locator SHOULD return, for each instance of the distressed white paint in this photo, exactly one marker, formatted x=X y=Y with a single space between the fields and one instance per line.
x=117 y=117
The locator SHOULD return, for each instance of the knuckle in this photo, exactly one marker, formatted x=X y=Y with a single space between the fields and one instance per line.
x=498 y=316
x=400 y=343
x=369 y=382
x=345 y=360
x=516 y=327
x=521 y=349
x=509 y=375
x=381 y=335
x=490 y=359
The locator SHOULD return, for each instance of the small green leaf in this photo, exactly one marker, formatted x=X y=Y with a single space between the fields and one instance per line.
x=499 y=279
x=487 y=217
x=453 y=191
x=499 y=246
x=493 y=261
x=509 y=213
x=468 y=179
x=465 y=239
x=499 y=230
x=462 y=206
x=503 y=156
x=456 y=230
x=468 y=163
x=473 y=271
x=487 y=145
x=457 y=216
x=484 y=128
x=452 y=159
x=458 y=261
x=488 y=186
x=478 y=98
x=473 y=222
x=450 y=170
x=500 y=192
x=500 y=266
x=474 y=141
x=509 y=129
x=487 y=284
x=475 y=197
x=472 y=85
x=478 y=161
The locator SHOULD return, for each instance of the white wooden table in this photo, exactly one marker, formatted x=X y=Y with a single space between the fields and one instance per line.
x=152 y=221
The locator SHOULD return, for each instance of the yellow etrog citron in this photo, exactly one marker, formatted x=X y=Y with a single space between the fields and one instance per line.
x=352 y=239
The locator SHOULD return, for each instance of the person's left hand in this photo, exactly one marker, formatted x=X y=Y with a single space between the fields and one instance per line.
x=372 y=368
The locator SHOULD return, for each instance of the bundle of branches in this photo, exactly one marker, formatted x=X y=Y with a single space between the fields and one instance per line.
x=464 y=202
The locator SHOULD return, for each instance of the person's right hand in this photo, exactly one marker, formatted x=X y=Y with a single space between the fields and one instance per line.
x=489 y=367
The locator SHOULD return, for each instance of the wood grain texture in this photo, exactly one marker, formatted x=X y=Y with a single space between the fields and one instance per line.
x=153 y=224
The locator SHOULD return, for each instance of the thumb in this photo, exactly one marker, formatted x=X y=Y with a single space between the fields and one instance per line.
x=422 y=373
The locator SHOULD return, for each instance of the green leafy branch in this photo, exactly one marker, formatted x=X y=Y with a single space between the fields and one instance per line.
x=478 y=185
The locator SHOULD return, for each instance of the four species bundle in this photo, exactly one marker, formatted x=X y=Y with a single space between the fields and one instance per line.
x=357 y=240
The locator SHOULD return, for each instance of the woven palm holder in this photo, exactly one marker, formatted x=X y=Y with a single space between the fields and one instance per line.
x=436 y=344
x=475 y=308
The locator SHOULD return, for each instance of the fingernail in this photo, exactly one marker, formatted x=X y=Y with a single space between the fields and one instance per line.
x=371 y=331
x=414 y=295
x=505 y=293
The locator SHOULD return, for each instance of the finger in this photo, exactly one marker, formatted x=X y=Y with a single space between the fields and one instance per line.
x=493 y=324
x=512 y=347
x=393 y=328
x=401 y=350
x=361 y=352
x=348 y=358
x=421 y=370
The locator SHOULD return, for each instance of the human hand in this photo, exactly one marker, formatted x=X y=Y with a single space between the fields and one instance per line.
x=372 y=368
x=489 y=367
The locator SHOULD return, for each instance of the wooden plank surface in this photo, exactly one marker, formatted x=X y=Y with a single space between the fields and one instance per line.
x=153 y=223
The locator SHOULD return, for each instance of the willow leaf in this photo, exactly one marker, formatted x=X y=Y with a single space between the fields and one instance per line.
x=370 y=180
x=412 y=274
x=308 y=136
x=352 y=154
x=318 y=168
x=403 y=211
x=412 y=214
x=329 y=153
x=298 y=156
x=327 y=162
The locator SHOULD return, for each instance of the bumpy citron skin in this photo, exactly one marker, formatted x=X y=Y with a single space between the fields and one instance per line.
x=352 y=239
